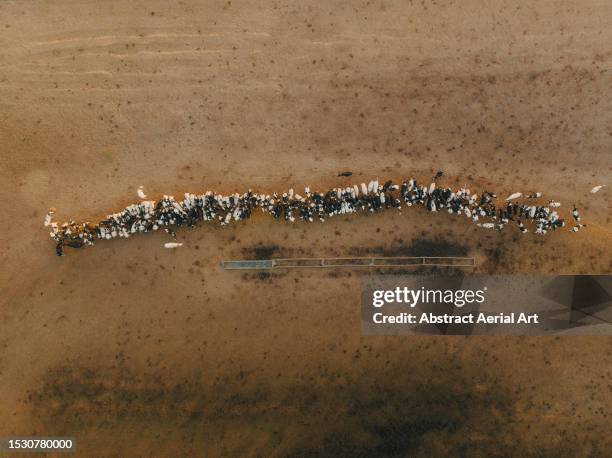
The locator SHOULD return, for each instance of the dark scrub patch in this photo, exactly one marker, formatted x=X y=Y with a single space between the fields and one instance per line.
x=418 y=247
x=437 y=247
x=263 y=275
x=496 y=257
x=420 y=408
x=260 y=251
x=395 y=422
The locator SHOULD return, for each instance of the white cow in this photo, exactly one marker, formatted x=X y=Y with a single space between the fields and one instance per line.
x=48 y=218
x=513 y=196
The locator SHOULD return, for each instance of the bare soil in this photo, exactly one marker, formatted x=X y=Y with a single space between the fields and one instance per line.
x=137 y=350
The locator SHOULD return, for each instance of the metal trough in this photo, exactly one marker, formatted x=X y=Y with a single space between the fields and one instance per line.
x=356 y=262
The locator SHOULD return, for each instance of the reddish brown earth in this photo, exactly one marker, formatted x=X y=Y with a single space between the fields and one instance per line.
x=137 y=350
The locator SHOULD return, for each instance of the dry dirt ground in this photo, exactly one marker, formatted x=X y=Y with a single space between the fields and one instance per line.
x=138 y=351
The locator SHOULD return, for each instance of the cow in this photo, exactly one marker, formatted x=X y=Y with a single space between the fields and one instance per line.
x=513 y=196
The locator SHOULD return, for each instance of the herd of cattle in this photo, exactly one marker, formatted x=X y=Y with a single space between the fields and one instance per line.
x=169 y=213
